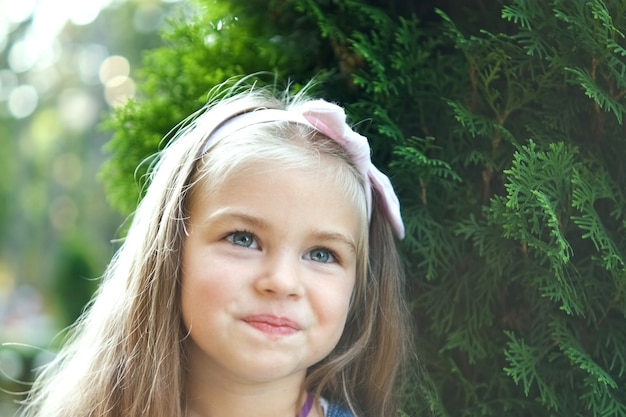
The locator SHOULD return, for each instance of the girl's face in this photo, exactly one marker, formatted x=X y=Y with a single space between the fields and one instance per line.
x=269 y=267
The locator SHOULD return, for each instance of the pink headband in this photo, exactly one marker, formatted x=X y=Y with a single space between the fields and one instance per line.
x=330 y=120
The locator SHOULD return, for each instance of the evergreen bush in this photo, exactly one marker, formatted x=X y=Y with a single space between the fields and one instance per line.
x=502 y=126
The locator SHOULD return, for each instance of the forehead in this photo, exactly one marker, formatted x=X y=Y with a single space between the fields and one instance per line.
x=267 y=179
x=254 y=151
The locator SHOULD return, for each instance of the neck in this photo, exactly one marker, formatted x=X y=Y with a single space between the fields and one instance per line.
x=217 y=397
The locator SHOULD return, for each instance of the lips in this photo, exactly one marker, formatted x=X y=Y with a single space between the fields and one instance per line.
x=273 y=325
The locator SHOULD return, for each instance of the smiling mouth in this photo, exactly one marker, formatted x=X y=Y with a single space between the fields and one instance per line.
x=273 y=325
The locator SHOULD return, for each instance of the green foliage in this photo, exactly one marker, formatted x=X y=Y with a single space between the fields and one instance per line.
x=515 y=246
x=501 y=124
x=74 y=279
x=205 y=46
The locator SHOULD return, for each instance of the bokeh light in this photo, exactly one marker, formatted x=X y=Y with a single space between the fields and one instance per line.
x=84 y=12
x=78 y=109
x=45 y=130
x=63 y=212
x=114 y=67
x=115 y=76
x=89 y=60
x=23 y=55
x=8 y=81
x=23 y=101
x=17 y=11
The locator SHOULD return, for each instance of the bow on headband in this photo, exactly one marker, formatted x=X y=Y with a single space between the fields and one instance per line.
x=330 y=120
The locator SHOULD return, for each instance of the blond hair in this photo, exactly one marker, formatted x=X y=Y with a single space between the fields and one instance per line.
x=126 y=354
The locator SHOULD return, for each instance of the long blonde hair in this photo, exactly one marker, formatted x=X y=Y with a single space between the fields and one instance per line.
x=126 y=355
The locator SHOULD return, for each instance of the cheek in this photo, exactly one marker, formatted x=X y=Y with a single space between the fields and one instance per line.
x=195 y=299
x=332 y=311
x=203 y=289
x=332 y=306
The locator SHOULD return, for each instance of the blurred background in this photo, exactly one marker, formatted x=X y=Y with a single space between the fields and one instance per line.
x=64 y=64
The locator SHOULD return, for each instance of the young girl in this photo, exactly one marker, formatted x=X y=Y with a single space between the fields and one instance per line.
x=259 y=278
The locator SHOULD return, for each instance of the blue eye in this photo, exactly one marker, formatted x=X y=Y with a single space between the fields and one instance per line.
x=243 y=239
x=321 y=255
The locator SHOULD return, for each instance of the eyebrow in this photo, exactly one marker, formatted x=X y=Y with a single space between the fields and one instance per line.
x=223 y=213
x=335 y=236
x=256 y=222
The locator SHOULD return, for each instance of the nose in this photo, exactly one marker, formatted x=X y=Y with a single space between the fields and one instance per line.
x=280 y=276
